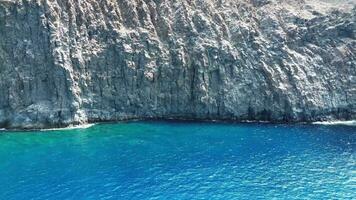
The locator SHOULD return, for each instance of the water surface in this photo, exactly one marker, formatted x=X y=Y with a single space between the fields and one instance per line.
x=175 y=160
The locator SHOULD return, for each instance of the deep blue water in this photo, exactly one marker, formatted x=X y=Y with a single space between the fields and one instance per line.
x=175 y=160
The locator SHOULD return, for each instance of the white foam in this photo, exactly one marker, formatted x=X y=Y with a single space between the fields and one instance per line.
x=2 y=129
x=347 y=123
x=256 y=121
x=71 y=127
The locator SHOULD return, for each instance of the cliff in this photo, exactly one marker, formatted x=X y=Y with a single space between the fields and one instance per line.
x=70 y=62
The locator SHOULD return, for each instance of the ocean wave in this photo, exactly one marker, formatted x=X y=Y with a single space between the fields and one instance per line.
x=71 y=127
x=347 y=123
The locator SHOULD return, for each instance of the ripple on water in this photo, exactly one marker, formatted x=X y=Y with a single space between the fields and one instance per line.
x=161 y=160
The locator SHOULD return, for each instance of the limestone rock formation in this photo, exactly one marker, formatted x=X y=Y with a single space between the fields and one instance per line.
x=68 y=62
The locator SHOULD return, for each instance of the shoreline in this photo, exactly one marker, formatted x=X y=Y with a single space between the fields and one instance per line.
x=89 y=125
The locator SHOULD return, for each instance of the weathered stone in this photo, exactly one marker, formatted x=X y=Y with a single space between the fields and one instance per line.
x=69 y=62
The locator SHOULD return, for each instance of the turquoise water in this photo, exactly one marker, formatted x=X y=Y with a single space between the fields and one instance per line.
x=175 y=160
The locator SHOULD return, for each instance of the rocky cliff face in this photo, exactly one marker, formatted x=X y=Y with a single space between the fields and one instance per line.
x=68 y=61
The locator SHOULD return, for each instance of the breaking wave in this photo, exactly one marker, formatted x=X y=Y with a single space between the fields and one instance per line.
x=347 y=123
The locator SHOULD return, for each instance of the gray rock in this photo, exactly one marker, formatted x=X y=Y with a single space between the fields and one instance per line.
x=68 y=62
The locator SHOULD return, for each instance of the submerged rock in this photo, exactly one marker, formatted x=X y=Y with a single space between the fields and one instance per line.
x=70 y=62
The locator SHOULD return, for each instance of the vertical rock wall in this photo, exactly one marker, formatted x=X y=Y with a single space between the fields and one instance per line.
x=68 y=61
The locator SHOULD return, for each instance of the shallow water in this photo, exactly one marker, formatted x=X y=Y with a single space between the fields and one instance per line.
x=175 y=160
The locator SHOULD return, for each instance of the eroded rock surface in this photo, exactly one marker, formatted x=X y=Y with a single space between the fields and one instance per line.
x=69 y=62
